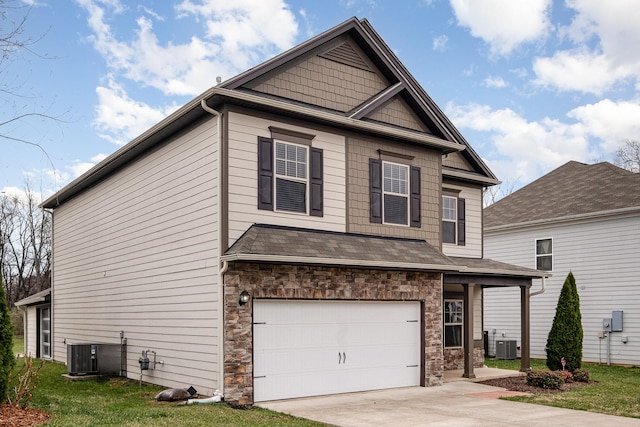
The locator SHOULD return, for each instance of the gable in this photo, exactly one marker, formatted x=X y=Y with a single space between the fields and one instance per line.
x=397 y=112
x=457 y=161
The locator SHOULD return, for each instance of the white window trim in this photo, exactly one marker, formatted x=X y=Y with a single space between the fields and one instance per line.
x=461 y=323
x=536 y=255
x=407 y=196
x=289 y=178
x=41 y=337
x=454 y=221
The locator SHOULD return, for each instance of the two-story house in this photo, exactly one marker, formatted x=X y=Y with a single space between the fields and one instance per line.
x=311 y=226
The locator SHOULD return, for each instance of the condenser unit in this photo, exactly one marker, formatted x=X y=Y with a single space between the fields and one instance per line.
x=94 y=359
x=506 y=349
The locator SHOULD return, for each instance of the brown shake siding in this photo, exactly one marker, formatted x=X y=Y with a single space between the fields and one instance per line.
x=360 y=150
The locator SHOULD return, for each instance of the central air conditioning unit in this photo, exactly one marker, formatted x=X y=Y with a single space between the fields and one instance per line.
x=94 y=359
x=506 y=349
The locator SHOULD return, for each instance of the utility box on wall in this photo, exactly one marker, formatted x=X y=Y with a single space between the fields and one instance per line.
x=616 y=321
x=506 y=349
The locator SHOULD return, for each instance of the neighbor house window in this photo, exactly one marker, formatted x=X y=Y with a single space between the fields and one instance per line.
x=453 y=323
x=544 y=254
x=45 y=332
x=395 y=192
x=291 y=177
x=454 y=220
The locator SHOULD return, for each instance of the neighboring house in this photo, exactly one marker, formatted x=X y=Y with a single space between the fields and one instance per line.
x=578 y=218
x=282 y=235
x=37 y=324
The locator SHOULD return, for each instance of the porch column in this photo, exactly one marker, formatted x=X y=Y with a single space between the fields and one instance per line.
x=468 y=331
x=525 y=324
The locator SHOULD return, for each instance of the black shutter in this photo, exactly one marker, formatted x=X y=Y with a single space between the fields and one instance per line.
x=265 y=173
x=415 y=213
x=316 y=189
x=461 y=222
x=375 y=190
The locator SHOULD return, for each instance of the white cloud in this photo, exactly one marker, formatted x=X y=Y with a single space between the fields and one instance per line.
x=605 y=37
x=78 y=168
x=119 y=118
x=440 y=43
x=497 y=82
x=504 y=24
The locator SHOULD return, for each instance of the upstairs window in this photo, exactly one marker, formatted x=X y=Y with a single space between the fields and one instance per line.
x=453 y=220
x=291 y=177
x=395 y=193
x=453 y=323
x=544 y=254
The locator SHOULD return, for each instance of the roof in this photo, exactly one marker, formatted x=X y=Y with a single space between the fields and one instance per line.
x=41 y=296
x=573 y=190
x=280 y=244
x=272 y=243
x=237 y=91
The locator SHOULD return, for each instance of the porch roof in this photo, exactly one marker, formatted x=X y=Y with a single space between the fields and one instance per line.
x=271 y=243
x=41 y=296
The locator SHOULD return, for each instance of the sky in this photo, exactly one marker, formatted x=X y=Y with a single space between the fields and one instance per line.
x=531 y=84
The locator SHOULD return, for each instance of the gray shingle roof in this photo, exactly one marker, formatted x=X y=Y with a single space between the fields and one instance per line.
x=269 y=242
x=572 y=189
x=41 y=296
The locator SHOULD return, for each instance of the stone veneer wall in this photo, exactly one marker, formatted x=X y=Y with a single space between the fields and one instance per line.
x=454 y=358
x=316 y=282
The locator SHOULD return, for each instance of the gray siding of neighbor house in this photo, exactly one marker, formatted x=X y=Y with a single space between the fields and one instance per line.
x=603 y=256
x=138 y=253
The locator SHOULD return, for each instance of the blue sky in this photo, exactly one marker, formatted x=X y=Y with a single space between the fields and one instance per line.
x=531 y=84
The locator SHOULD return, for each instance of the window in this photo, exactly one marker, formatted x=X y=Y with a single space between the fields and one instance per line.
x=394 y=193
x=45 y=332
x=544 y=254
x=453 y=323
x=449 y=219
x=453 y=220
x=291 y=177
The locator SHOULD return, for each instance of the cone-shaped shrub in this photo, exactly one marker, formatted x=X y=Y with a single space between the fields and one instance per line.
x=565 y=337
x=7 y=358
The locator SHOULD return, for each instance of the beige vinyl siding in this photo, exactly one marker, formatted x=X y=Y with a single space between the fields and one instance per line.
x=31 y=332
x=243 y=178
x=138 y=253
x=603 y=256
x=473 y=223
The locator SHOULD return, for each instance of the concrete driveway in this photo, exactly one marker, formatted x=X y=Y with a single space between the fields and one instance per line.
x=453 y=404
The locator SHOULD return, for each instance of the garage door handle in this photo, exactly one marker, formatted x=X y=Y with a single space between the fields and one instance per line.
x=344 y=357
x=339 y=358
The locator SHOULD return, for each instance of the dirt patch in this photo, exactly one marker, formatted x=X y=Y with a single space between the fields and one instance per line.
x=17 y=417
x=520 y=384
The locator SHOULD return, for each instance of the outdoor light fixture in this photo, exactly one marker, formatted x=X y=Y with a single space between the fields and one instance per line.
x=244 y=298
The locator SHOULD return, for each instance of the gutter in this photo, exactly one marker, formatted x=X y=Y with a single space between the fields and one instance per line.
x=542 y=289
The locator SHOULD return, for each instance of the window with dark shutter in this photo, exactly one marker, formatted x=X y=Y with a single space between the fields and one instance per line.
x=316 y=190
x=449 y=219
x=416 y=214
x=375 y=190
x=461 y=222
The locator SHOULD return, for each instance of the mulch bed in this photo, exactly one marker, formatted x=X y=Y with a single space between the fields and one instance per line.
x=15 y=416
x=520 y=384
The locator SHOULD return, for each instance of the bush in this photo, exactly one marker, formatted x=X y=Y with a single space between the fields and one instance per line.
x=7 y=359
x=545 y=379
x=565 y=337
x=567 y=376
x=24 y=382
x=581 y=375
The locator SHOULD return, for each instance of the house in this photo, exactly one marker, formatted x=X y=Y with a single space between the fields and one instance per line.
x=36 y=310
x=282 y=234
x=578 y=218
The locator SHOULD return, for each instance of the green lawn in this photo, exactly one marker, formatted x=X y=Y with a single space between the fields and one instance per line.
x=121 y=402
x=18 y=345
x=616 y=389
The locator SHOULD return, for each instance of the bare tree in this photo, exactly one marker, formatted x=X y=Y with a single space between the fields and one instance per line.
x=17 y=107
x=490 y=195
x=628 y=156
x=25 y=245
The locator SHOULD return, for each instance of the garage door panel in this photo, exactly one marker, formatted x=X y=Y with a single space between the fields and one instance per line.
x=307 y=348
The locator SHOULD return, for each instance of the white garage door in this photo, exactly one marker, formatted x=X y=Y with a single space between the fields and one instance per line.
x=310 y=348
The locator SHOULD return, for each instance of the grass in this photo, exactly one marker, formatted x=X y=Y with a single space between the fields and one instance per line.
x=18 y=345
x=616 y=390
x=122 y=402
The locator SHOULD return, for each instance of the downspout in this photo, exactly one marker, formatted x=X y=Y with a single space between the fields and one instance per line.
x=542 y=289
x=221 y=270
